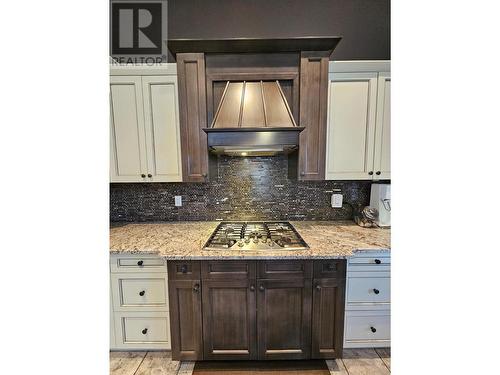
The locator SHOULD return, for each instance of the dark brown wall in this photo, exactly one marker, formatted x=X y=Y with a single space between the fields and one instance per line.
x=364 y=24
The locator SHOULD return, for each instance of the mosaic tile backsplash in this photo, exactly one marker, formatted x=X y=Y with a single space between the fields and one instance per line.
x=246 y=188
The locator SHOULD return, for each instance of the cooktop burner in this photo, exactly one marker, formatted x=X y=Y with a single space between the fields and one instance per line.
x=261 y=235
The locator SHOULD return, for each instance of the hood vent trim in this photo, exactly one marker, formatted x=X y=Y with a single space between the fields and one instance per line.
x=254 y=118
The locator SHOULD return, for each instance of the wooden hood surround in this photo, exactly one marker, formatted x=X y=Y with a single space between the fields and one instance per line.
x=253 y=97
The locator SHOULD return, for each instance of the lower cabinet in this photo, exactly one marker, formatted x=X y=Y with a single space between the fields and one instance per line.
x=368 y=301
x=223 y=310
x=139 y=308
x=284 y=319
x=328 y=317
x=229 y=319
x=185 y=318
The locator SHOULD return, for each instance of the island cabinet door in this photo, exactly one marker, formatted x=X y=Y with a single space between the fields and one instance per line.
x=284 y=318
x=328 y=318
x=229 y=319
x=185 y=319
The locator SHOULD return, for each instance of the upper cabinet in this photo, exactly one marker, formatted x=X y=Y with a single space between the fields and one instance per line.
x=145 y=137
x=358 y=137
x=313 y=115
x=382 y=158
x=128 y=143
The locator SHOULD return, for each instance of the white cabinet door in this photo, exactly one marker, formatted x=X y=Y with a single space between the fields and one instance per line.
x=351 y=126
x=161 y=116
x=382 y=159
x=128 y=144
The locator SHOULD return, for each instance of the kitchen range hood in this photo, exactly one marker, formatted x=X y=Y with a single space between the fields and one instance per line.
x=253 y=118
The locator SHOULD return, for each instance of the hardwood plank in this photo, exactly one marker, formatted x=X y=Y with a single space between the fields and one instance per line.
x=125 y=363
x=364 y=362
x=336 y=367
x=385 y=356
x=158 y=363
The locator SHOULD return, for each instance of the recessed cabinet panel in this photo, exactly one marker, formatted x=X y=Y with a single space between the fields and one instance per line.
x=229 y=326
x=128 y=156
x=162 y=128
x=351 y=130
x=284 y=319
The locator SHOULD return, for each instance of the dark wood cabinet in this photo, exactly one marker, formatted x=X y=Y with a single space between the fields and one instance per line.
x=185 y=319
x=328 y=318
x=284 y=318
x=193 y=116
x=313 y=114
x=279 y=309
x=229 y=319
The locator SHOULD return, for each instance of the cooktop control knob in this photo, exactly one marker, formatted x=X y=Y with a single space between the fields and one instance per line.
x=247 y=240
x=241 y=243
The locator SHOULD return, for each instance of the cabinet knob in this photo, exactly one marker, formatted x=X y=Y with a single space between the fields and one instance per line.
x=377 y=261
x=318 y=287
x=143 y=175
x=144 y=331
x=140 y=263
x=142 y=292
x=261 y=288
x=370 y=173
x=196 y=287
x=252 y=288
x=373 y=329
x=377 y=173
x=184 y=268
x=150 y=175
x=376 y=291
x=302 y=173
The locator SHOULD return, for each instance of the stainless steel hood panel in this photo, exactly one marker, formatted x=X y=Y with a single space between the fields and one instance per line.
x=253 y=118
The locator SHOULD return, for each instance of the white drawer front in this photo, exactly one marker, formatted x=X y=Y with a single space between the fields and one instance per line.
x=371 y=260
x=142 y=331
x=137 y=263
x=145 y=330
x=367 y=327
x=140 y=292
x=364 y=290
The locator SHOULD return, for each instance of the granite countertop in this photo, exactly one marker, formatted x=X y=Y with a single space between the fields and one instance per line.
x=185 y=240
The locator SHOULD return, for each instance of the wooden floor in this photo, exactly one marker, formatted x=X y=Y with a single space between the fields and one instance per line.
x=355 y=362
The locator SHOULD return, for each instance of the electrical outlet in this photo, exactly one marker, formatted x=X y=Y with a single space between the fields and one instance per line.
x=337 y=200
x=178 y=200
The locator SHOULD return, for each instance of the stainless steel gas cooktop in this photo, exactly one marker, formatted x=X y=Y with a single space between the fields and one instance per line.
x=255 y=235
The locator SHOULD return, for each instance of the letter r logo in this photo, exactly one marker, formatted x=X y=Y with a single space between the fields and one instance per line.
x=136 y=28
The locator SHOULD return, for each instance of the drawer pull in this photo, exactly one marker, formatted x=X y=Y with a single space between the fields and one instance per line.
x=252 y=288
x=142 y=292
x=376 y=291
x=373 y=329
x=196 y=287
x=184 y=268
x=261 y=288
x=140 y=263
x=377 y=261
x=144 y=331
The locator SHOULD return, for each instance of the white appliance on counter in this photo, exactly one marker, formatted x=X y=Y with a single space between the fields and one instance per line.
x=380 y=198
